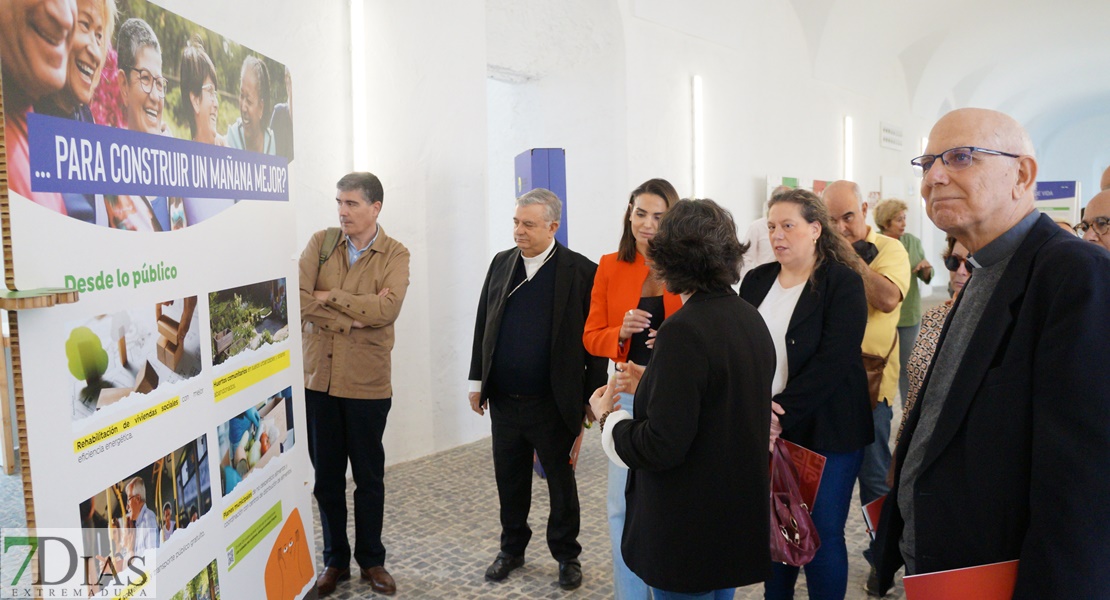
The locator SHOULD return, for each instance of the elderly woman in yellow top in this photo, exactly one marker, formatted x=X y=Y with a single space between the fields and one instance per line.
x=890 y=216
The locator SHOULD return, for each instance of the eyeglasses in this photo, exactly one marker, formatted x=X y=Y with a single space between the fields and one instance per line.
x=952 y=262
x=954 y=159
x=1101 y=225
x=210 y=88
x=148 y=82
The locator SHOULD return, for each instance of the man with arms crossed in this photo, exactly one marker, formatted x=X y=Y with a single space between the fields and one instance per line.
x=529 y=367
x=352 y=287
x=1006 y=452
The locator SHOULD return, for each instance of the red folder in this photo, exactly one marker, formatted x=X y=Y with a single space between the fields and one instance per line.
x=871 y=513
x=985 y=582
x=810 y=465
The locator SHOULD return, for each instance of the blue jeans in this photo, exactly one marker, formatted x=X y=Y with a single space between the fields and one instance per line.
x=876 y=463
x=907 y=337
x=725 y=594
x=827 y=573
x=626 y=584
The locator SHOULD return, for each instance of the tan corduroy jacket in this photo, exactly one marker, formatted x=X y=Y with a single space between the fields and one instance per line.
x=342 y=360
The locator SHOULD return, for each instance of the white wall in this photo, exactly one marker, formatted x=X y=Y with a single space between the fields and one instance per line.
x=566 y=66
x=766 y=109
x=426 y=113
x=427 y=131
x=442 y=135
x=1077 y=151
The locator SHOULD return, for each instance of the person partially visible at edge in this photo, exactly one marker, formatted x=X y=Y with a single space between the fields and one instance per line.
x=250 y=131
x=760 y=251
x=959 y=270
x=1008 y=445
x=886 y=280
x=813 y=302
x=88 y=52
x=627 y=305
x=529 y=367
x=349 y=303
x=281 y=122
x=698 y=515
x=1095 y=226
x=34 y=45
x=890 y=218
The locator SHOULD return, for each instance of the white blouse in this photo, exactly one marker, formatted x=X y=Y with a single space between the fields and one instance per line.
x=776 y=309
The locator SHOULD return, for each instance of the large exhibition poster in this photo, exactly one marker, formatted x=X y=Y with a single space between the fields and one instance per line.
x=148 y=165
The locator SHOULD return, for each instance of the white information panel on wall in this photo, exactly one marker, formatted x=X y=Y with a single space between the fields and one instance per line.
x=148 y=161
x=1059 y=200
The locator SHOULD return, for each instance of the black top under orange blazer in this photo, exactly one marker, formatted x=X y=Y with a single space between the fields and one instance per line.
x=617 y=288
x=826 y=401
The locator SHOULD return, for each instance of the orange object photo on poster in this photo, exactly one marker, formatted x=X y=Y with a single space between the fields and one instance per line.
x=289 y=567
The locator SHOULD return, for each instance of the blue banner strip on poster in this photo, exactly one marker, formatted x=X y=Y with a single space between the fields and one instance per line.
x=1054 y=190
x=74 y=157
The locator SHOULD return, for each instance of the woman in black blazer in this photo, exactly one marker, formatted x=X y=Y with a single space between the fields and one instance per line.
x=697 y=491
x=814 y=305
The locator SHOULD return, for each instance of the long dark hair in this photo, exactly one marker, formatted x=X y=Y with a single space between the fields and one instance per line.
x=830 y=246
x=660 y=187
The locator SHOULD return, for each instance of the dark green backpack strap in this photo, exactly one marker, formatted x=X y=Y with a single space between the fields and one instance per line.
x=331 y=240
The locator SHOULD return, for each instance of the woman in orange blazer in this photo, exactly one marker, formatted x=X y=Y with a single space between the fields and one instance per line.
x=627 y=305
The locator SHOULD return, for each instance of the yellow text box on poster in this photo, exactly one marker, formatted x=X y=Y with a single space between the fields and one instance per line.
x=241 y=379
x=240 y=503
x=253 y=535
x=119 y=427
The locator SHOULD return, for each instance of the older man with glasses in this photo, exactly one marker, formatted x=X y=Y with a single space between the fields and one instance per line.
x=1095 y=226
x=1005 y=454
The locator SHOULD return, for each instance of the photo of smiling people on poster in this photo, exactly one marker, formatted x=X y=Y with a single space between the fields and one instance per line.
x=146 y=87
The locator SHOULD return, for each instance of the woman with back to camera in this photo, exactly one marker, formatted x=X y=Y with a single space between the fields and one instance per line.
x=890 y=217
x=698 y=489
x=813 y=302
x=627 y=305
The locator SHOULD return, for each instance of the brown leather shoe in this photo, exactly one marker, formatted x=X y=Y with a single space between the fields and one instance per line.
x=325 y=583
x=380 y=580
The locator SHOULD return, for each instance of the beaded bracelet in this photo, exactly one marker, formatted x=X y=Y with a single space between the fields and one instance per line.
x=601 y=421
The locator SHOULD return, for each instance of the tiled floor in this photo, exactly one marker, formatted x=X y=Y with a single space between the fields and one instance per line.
x=441 y=531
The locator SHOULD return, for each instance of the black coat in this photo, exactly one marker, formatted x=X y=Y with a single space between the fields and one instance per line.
x=575 y=374
x=826 y=401
x=698 y=487
x=1018 y=466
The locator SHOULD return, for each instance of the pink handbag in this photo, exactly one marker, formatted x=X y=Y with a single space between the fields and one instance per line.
x=794 y=538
